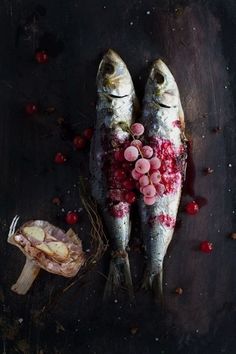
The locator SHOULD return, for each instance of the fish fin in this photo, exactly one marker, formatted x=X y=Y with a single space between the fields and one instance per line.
x=119 y=276
x=154 y=282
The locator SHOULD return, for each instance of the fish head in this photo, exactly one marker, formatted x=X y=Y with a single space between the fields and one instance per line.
x=113 y=77
x=162 y=88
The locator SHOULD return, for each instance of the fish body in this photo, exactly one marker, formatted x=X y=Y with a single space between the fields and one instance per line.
x=115 y=112
x=163 y=120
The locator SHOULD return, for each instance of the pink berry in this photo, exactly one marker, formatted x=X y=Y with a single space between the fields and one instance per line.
x=142 y=166
x=149 y=200
x=155 y=177
x=149 y=191
x=160 y=188
x=144 y=181
x=147 y=151
x=137 y=143
x=137 y=129
x=131 y=153
x=136 y=175
x=155 y=163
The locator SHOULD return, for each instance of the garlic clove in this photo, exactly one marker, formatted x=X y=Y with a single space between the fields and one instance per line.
x=59 y=249
x=44 y=248
x=34 y=232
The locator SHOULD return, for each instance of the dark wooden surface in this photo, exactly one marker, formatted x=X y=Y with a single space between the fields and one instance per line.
x=197 y=40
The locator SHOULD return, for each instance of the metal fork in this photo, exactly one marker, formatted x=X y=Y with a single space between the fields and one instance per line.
x=12 y=227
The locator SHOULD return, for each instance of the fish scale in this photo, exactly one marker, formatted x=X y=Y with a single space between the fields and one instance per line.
x=116 y=107
x=163 y=121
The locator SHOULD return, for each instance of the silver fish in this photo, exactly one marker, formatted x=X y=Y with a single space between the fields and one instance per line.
x=116 y=107
x=163 y=120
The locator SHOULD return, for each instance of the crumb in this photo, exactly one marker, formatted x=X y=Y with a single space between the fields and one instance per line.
x=179 y=291
x=50 y=110
x=56 y=201
x=148 y=12
x=60 y=120
x=207 y=171
x=134 y=330
x=216 y=129
x=233 y=236
x=229 y=165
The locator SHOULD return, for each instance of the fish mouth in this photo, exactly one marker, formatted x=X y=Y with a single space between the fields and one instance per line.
x=113 y=77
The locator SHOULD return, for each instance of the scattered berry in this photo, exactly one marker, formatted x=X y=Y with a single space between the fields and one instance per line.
x=147 y=151
x=206 y=246
x=130 y=197
x=88 y=133
x=41 y=56
x=31 y=108
x=137 y=129
x=79 y=142
x=59 y=158
x=192 y=208
x=72 y=217
x=131 y=153
x=142 y=166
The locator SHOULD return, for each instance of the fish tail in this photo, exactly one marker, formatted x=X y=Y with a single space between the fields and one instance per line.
x=119 y=275
x=154 y=282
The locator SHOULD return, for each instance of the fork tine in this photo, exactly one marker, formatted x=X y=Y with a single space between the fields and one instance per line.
x=13 y=226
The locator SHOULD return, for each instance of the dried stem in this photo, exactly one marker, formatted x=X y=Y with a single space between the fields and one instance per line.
x=26 y=278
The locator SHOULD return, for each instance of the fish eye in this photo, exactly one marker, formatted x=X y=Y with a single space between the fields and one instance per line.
x=159 y=78
x=108 y=68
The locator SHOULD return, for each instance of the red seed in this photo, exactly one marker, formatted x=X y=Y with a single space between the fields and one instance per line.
x=72 y=217
x=206 y=246
x=31 y=108
x=130 y=197
x=120 y=175
x=41 y=56
x=88 y=133
x=79 y=142
x=192 y=208
x=59 y=158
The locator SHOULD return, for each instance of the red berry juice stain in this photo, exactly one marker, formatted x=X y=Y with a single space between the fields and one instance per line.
x=120 y=210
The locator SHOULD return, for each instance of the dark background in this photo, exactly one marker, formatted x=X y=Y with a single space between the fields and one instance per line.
x=197 y=41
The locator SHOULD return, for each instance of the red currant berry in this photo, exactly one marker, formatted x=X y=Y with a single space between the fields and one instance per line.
x=119 y=155
x=72 y=217
x=88 y=133
x=31 y=108
x=59 y=158
x=192 y=208
x=119 y=175
x=79 y=142
x=128 y=184
x=206 y=246
x=130 y=197
x=41 y=56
